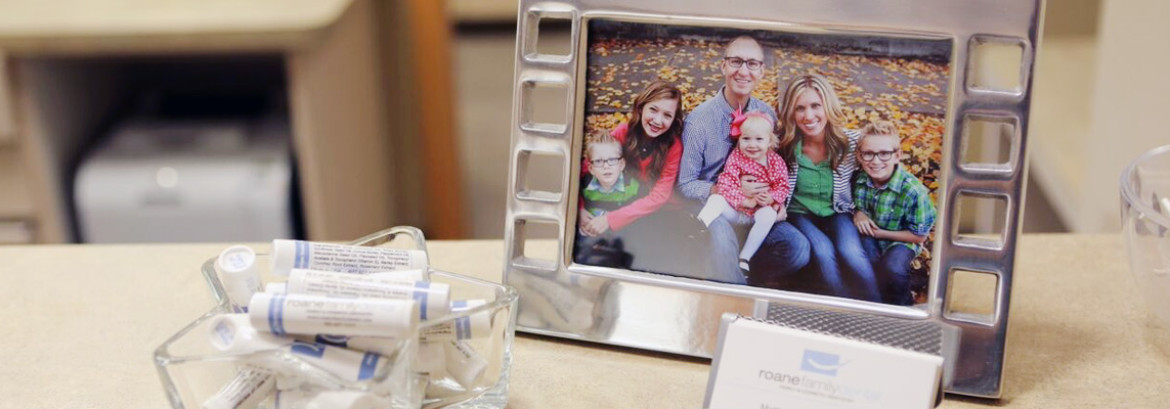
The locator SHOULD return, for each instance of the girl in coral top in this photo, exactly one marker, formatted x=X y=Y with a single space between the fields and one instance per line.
x=753 y=160
x=652 y=150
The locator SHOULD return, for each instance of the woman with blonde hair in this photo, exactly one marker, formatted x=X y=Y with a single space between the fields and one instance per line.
x=819 y=152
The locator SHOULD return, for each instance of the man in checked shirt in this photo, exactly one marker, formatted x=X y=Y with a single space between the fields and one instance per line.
x=705 y=149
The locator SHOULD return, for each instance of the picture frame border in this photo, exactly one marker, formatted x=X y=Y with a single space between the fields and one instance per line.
x=978 y=361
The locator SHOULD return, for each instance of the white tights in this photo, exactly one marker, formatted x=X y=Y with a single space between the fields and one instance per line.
x=764 y=219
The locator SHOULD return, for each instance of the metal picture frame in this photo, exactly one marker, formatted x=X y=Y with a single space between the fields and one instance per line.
x=662 y=312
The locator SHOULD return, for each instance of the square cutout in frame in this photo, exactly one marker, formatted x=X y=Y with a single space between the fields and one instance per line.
x=550 y=38
x=540 y=176
x=535 y=244
x=553 y=36
x=544 y=106
x=989 y=142
x=980 y=219
x=995 y=64
x=971 y=296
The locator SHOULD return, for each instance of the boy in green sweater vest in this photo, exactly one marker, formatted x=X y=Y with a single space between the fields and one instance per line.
x=606 y=188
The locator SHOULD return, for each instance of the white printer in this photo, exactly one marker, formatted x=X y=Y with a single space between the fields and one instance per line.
x=187 y=181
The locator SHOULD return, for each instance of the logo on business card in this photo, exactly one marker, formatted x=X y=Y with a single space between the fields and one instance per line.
x=822 y=363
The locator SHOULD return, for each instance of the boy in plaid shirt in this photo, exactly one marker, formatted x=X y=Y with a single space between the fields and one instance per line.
x=894 y=213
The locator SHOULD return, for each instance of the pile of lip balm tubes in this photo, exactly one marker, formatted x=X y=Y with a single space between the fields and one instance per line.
x=345 y=310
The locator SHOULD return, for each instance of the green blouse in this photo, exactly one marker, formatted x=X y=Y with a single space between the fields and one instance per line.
x=814 y=186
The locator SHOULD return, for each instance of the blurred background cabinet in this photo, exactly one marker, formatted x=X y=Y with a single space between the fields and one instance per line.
x=353 y=79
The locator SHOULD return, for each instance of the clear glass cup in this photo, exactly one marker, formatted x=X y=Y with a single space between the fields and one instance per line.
x=192 y=370
x=1145 y=216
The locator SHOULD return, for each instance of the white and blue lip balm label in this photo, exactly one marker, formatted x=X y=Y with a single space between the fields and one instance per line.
x=464 y=363
x=276 y=315
x=239 y=274
x=346 y=364
x=299 y=254
x=284 y=314
x=377 y=345
x=420 y=294
x=234 y=333
x=477 y=325
x=433 y=298
x=462 y=324
x=224 y=332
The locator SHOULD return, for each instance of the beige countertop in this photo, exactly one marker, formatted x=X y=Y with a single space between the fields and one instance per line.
x=82 y=322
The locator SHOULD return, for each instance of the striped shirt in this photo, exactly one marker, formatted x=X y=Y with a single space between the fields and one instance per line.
x=842 y=176
x=706 y=143
x=902 y=204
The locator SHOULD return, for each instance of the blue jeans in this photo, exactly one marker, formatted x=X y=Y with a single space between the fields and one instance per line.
x=724 y=264
x=893 y=270
x=783 y=254
x=838 y=256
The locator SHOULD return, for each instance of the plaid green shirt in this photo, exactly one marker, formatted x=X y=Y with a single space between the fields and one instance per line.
x=902 y=204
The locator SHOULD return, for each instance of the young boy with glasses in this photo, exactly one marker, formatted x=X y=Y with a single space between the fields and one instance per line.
x=606 y=189
x=894 y=212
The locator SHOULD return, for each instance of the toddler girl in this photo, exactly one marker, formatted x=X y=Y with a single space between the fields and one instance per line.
x=754 y=160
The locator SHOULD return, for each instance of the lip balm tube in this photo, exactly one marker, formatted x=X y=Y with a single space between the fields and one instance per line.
x=290 y=254
x=431 y=359
x=250 y=387
x=433 y=298
x=239 y=274
x=234 y=333
x=478 y=325
x=463 y=363
x=346 y=364
x=284 y=314
x=377 y=345
x=404 y=275
x=275 y=288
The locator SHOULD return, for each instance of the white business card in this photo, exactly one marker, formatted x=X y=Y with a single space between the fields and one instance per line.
x=765 y=366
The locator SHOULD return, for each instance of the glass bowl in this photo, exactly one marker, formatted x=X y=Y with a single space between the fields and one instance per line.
x=1145 y=218
x=192 y=371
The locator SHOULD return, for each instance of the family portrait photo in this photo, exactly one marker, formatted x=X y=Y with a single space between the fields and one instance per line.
x=795 y=161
